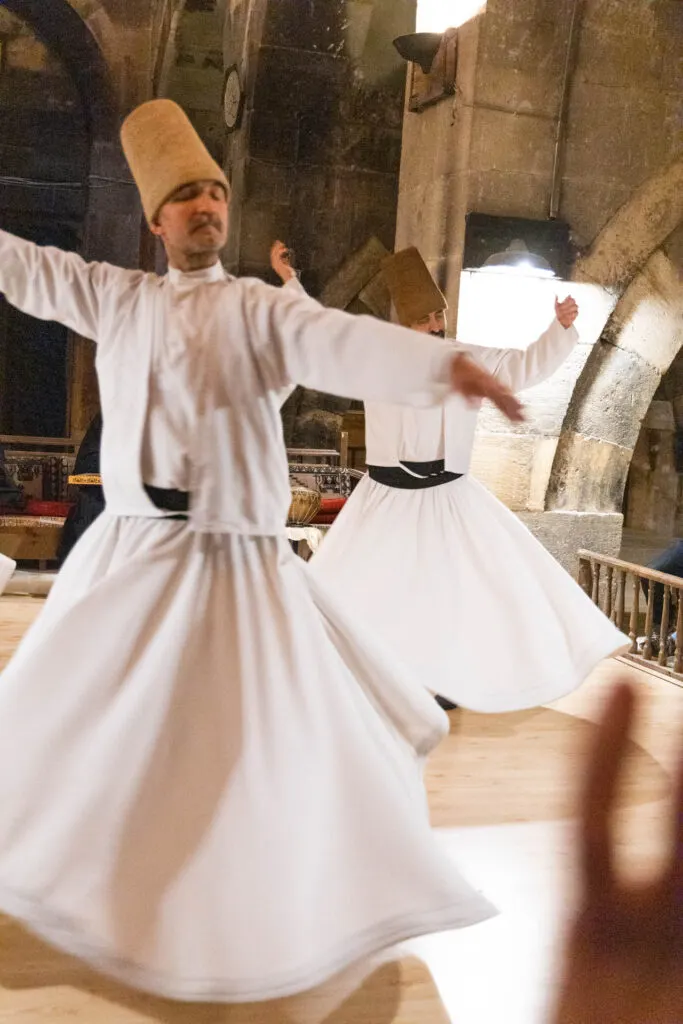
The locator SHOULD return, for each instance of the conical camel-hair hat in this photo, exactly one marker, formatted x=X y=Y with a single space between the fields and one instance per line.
x=413 y=290
x=165 y=153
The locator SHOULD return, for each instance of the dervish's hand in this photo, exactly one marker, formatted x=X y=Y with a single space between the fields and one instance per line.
x=566 y=311
x=474 y=383
x=280 y=262
x=624 y=961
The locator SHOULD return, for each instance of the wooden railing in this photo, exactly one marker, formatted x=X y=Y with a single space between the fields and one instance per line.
x=656 y=631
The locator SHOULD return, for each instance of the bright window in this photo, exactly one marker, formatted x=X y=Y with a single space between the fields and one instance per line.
x=438 y=15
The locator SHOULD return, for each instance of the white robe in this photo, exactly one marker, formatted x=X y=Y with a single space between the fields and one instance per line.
x=7 y=569
x=466 y=597
x=210 y=780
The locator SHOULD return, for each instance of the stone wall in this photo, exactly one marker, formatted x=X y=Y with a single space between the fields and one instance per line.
x=194 y=75
x=651 y=502
x=492 y=150
x=316 y=160
x=71 y=71
x=46 y=143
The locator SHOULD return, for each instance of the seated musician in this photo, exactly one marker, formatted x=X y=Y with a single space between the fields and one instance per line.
x=90 y=499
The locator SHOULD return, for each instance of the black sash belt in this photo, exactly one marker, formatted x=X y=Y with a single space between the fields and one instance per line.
x=170 y=501
x=427 y=474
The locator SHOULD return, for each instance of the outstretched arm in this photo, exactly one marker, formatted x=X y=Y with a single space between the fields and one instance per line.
x=359 y=356
x=51 y=284
x=522 y=368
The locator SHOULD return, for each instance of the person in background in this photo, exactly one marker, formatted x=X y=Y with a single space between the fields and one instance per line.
x=669 y=561
x=442 y=571
x=90 y=498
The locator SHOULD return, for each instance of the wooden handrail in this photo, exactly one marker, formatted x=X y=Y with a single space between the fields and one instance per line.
x=47 y=442
x=604 y=579
x=634 y=568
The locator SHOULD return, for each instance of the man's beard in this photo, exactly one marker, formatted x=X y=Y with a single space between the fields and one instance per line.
x=216 y=244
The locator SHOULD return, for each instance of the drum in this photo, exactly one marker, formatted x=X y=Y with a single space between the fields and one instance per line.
x=305 y=504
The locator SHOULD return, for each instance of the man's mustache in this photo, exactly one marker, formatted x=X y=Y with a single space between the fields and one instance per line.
x=207 y=219
x=438 y=334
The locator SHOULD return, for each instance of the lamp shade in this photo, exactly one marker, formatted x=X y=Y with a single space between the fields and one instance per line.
x=419 y=48
x=517 y=259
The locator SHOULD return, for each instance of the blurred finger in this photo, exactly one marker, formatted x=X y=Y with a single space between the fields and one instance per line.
x=511 y=407
x=505 y=401
x=676 y=864
x=605 y=762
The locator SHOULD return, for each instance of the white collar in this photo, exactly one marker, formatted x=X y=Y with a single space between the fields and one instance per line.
x=189 y=278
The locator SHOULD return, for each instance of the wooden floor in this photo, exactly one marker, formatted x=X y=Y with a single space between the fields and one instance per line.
x=501 y=792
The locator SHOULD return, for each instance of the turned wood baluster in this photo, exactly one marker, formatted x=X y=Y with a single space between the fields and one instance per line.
x=678 y=659
x=664 y=628
x=635 y=611
x=649 y=616
x=608 y=595
x=595 y=596
x=618 y=617
x=585 y=576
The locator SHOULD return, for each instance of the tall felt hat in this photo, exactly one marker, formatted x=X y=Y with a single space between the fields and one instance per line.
x=413 y=290
x=164 y=153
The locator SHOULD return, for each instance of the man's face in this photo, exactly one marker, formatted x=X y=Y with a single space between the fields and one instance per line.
x=193 y=222
x=434 y=324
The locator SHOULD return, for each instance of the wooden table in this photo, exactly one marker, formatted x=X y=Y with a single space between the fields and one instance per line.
x=30 y=538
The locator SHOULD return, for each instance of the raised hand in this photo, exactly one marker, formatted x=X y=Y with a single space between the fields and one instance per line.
x=566 y=311
x=280 y=261
x=475 y=383
x=624 y=961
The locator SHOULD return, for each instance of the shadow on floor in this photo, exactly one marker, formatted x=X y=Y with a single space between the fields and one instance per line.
x=522 y=767
x=38 y=984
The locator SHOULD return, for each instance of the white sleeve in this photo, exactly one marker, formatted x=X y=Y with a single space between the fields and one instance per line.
x=522 y=368
x=294 y=285
x=301 y=342
x=51 y=284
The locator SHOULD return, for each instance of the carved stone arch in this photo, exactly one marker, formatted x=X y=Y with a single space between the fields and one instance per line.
x=64 y=31
x=636 y=230
x=76 y=33
x=638 y=344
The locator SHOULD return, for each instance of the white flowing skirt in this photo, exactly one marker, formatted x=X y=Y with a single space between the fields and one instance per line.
x=7 y=568
x=464 y=594
x=210 y=780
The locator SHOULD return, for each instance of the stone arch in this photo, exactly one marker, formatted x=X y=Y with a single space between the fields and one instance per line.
x=638 y=344
x=112 y=223
x=636 y=230
x=63 y=31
